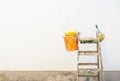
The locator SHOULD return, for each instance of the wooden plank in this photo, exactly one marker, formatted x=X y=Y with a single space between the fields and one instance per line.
x=88 y=53
x=87 y=75
x=91 y=69
x=88 y=39
x=87 y=63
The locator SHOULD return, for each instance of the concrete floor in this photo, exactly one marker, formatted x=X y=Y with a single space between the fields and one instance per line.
x=52 y=76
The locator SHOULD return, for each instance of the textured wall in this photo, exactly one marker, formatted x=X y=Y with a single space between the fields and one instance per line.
x=31 y=32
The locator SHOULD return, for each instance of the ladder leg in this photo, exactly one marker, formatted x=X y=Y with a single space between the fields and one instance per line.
x=77 y=74
x=102 y=72
x=98 y=67
x=77 y=68
x=101 y=64
x=98 y=57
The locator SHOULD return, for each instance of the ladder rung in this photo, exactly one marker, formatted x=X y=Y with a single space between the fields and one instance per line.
x=88 y=53
x=87 y=63
x=87 y=75
x=84 y=72
x=88 y=40
x=89 y=69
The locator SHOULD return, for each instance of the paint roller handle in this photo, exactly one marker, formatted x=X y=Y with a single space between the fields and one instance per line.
x=97 y=28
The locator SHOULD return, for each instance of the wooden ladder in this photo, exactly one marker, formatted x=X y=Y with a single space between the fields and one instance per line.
x=90 y=72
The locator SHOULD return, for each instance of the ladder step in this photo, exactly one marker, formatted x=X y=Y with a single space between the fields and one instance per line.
x=88 y=40
x=87 y=75
x=87 y=63
x=88 y=53
x=89 y=69
x=88 y=72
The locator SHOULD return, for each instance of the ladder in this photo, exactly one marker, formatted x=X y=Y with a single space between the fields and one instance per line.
x=88 y=72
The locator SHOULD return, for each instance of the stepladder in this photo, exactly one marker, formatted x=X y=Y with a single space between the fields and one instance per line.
x=87 y=70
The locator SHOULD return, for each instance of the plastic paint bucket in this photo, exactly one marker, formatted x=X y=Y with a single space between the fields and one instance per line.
x=71 y=42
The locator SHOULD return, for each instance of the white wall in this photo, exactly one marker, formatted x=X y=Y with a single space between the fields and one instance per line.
x=31 y=32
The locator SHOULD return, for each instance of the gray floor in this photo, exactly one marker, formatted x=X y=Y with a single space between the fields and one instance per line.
x=52 y=76
x=112 y=75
